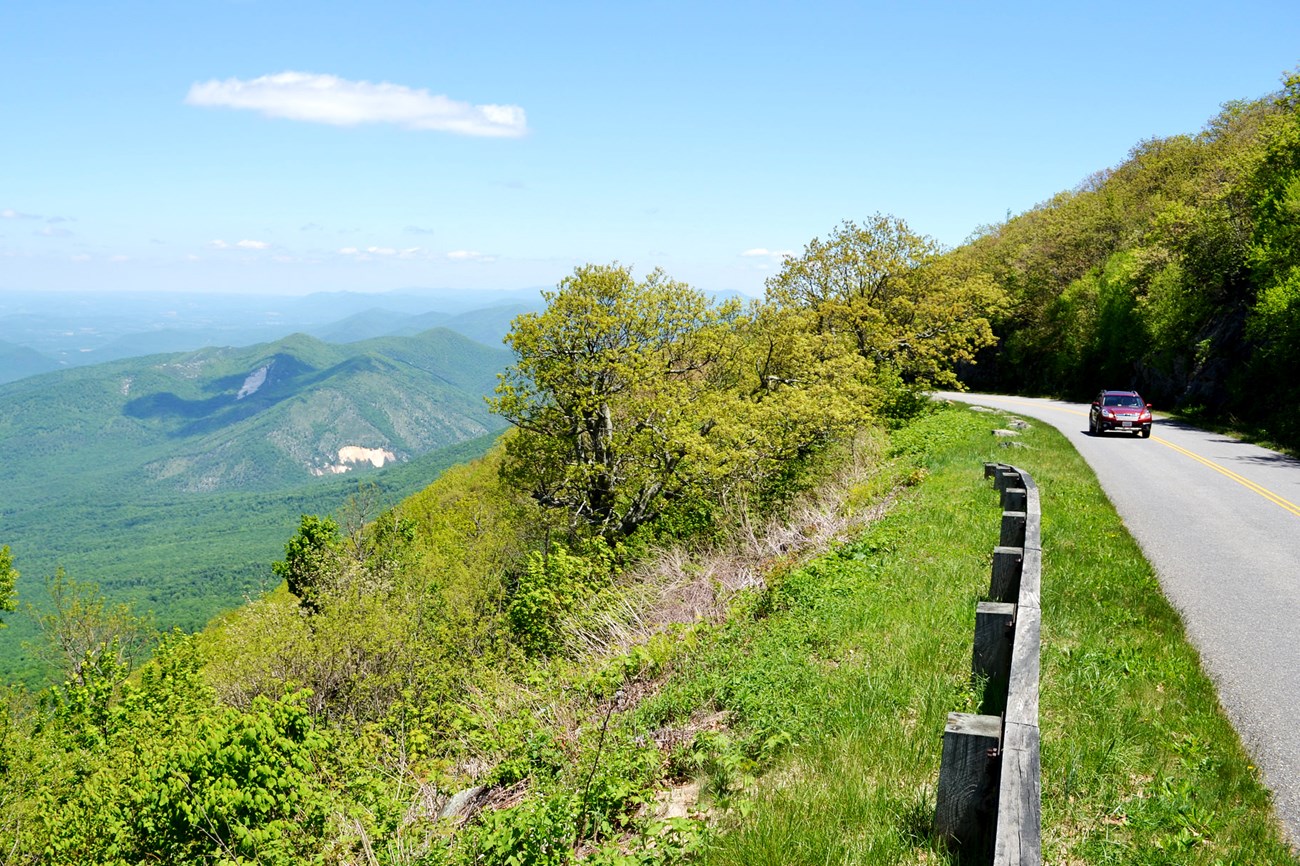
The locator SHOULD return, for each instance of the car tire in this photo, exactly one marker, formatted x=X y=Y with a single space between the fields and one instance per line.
x=1146 y=433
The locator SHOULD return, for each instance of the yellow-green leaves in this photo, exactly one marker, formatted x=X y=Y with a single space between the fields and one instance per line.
x=613 y=395
x=8 y=577
x=882 y=291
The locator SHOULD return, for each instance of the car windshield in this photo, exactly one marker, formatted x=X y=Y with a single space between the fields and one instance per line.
x=1123 y=400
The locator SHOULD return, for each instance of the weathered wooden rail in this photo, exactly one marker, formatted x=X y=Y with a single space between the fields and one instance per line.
x=989 y=795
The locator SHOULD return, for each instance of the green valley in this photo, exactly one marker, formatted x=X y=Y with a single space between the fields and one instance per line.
x=172 y=481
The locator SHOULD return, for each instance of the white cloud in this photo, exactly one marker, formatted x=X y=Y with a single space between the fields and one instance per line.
x=469 y=256
x=119 y=259
x=760 y=252
x=339 y=102
x=369 y=253
x=49 y=232
x=245 y=244
x=11 y=214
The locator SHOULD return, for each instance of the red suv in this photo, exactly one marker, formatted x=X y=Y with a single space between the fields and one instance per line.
x=1120 y=410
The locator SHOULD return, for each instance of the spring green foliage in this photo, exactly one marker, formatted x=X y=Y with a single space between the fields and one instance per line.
x=466 y=640
x=1175 y=272
x=433 y=664
x=551 y=586
x=82 y=629
x=308 y=558
x=173 y=494
x=155 y=769
x=633 y=397
x=8 y=579
x=887 y=293
x=612 y=395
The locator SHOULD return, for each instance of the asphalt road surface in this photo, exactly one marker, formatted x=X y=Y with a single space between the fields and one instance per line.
x=1219 y=521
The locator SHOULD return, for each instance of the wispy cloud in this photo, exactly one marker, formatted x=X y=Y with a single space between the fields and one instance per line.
x=49 y=232
x=469 y=256
x=367 y=253
x=11 y=214
x=241 y=245
x=336 y=101
x=761 y=253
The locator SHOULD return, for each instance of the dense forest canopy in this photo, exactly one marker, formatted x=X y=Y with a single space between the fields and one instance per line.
x=1174 y=273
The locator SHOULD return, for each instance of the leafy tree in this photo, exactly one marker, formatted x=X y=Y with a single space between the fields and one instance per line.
x=611 y=394
x=83 y=631
x=887 y=293
x=308 y=559
x=8 y=577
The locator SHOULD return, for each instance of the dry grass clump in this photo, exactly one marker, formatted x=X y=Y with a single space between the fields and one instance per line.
x=676 y=585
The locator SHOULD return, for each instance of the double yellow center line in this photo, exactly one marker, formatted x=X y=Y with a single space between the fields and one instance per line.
x=1228 y=473
x=1244 y=482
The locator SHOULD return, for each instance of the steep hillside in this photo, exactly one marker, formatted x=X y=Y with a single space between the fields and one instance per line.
x=254 y=418
x=1175 y=272
x=174 y=480
x=17 y=362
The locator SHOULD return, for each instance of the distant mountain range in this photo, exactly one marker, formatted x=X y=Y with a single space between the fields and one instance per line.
x=255 y=418
x=173 y=480
x=41 y=331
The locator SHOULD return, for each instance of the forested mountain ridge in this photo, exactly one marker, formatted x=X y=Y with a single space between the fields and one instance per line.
x=41 y=332
x=171 y=481
x=252 y=418
x=1176 y=272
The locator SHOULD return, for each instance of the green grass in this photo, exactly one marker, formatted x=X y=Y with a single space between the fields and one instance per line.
x=840 y=677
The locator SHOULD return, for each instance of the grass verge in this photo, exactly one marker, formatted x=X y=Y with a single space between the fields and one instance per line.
x=839 y=677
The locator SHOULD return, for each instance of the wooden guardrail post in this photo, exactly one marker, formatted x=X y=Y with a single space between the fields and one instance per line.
x=1005 y=585
x=1013 y=499
x=1013 y=529
x=991 y=660
x=968 y=780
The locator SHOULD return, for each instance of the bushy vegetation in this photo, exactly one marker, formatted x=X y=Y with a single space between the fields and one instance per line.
x=1174 y=272
x=491 y=634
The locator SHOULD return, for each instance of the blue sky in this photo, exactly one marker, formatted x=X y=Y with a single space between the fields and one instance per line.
x=287 y=147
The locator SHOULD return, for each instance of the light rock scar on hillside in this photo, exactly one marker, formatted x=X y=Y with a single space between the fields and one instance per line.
x=254 y=381
x=350 y=454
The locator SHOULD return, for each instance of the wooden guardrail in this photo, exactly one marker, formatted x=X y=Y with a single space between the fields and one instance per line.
x=989 y=794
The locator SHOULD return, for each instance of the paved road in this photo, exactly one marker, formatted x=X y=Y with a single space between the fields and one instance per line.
x=1220 y=522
